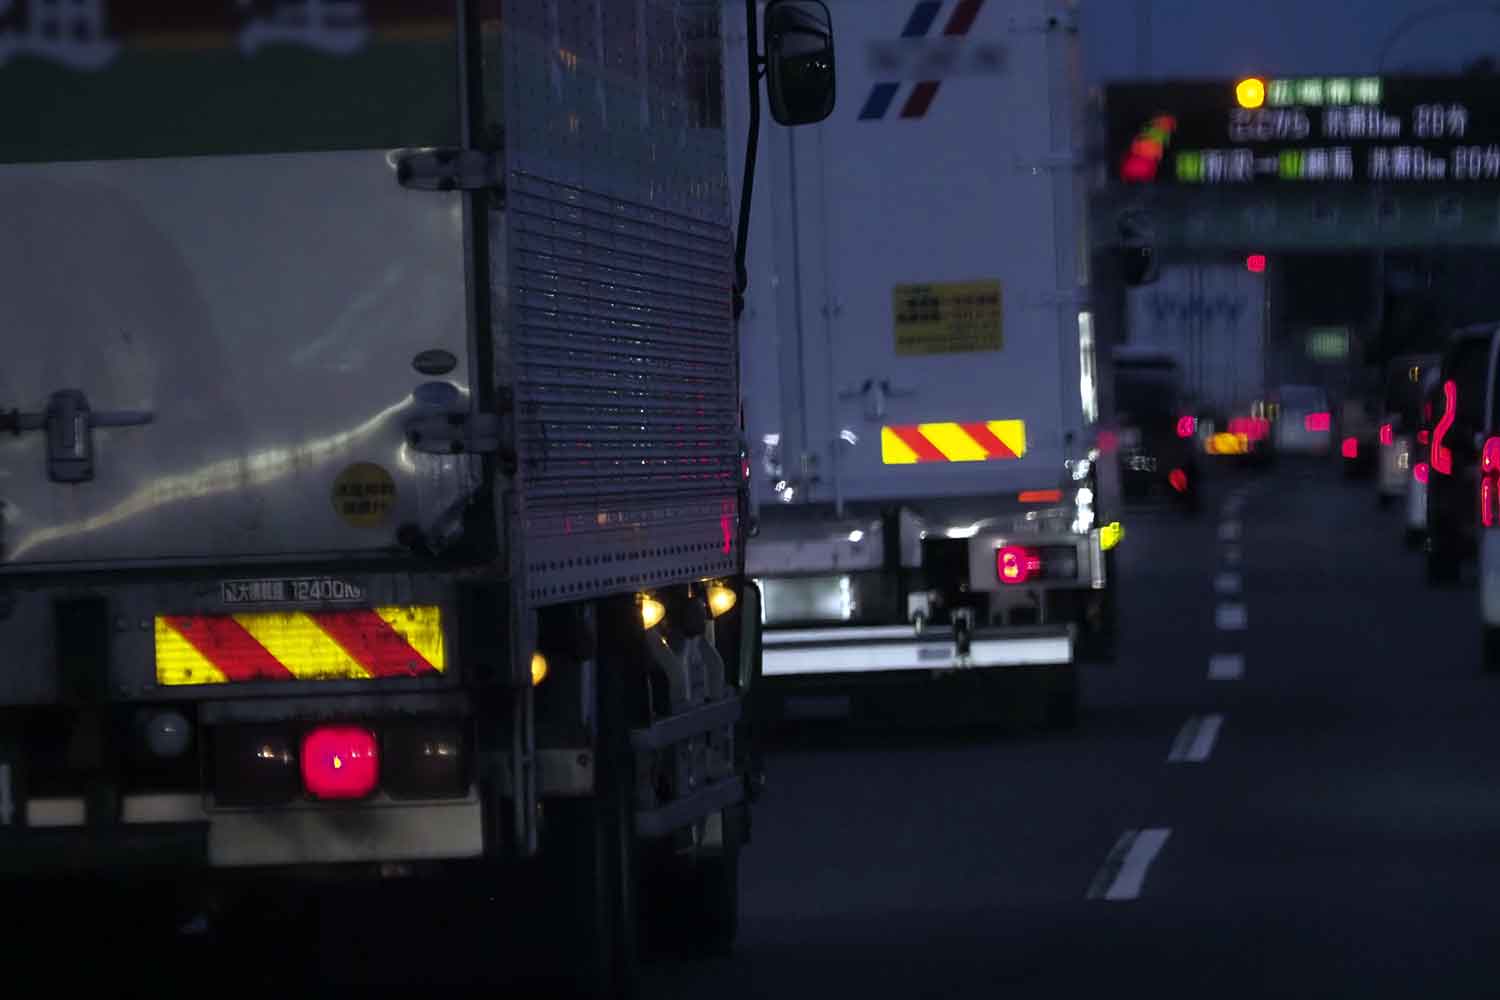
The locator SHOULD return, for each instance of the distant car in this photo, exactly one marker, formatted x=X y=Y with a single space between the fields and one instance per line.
x=1416 y=480
x=1401 y=407
x=1454 y=450
x=1158 y=434
x=1359 y=436
x=1304 y=423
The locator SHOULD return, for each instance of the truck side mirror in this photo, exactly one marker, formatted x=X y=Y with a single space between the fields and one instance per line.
x=799 y=61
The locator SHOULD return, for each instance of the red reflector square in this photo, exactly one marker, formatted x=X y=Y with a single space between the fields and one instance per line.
x=340 y=762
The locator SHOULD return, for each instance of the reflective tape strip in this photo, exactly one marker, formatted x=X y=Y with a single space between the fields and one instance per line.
x=983 y=441
x=913 y=654
x=300 y=645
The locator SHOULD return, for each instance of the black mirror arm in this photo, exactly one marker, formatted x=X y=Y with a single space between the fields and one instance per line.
x=754 y=70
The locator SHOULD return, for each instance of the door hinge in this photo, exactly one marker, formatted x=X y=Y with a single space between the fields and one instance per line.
x=455 y=433
x=448 y=168
x=69 y=424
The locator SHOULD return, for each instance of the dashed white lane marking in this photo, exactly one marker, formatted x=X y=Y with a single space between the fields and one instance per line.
x=1227 y=583
x=1232 y=555
x=1229 y=531
x=1231 y=617
x=1226 y=666
x=1124 y=871
x=1196 y=740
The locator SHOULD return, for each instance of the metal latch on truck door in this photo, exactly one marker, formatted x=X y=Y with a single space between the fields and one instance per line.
x=449 y=168
x=875 y=393
x=69 y=424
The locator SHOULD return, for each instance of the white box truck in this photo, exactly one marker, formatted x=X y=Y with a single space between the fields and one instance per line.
x=370 y=485
x=918 y=360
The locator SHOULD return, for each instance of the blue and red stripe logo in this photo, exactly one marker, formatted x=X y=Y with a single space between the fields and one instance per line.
x=918 y=25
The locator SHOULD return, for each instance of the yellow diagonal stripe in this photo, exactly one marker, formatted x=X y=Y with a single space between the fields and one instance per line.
x=301 y=646
x=179 y=662
x=955 y=445
x=422 y=628
x=1012 y=432
x=893 y=450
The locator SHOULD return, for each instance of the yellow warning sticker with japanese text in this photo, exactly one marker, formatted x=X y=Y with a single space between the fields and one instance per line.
x=953 y=317
x=364 y=495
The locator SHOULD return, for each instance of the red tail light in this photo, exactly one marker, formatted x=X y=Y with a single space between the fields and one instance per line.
x=1178 y=479
x=340 y=762
x=1014 y=564
x=1040 y=496
x=1423 y=437
x=1387 y=435
x=1350 y=447
x=1442 y=458
x=1489 y=481
x=1253 y=428
x=1419 y=472
x=1186 y=426
x=1317 y=423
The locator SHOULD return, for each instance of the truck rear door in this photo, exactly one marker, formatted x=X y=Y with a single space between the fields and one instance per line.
x=219 y=301
x=933 y=242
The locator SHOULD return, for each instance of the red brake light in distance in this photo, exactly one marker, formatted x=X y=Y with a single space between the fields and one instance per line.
x=1419 y=472
x=1256 y=263
x=1423 y=437
x=1489 y=481
x=1350 y=447
x=340 y=762
x=1317 y=422
x=1387 y=435
x=1186 y=426
x=1014 y=564
x=1178 y=479
x=1442 y=458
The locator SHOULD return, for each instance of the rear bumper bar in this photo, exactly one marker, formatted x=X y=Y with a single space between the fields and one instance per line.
x=176 y=831
x=898 y=648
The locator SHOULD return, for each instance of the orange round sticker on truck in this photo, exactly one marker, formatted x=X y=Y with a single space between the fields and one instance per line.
x=364 y=495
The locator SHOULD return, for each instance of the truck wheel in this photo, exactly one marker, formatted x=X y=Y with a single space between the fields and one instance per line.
x=1062 y=698
x=1442 y=562
x=1413 y=538
x=1490 y=649
x=591 y=842
x=1095 y=642
x=698 y=905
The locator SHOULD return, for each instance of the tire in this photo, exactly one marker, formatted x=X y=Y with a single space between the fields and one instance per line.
x=698 y=906
x=1442 y=562
x=1414 y=538
x=1490 y=649
x=1063 y=698
x=590 y=852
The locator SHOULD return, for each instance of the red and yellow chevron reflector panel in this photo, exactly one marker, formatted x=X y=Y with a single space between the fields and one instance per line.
x=364 y=644
x=988 y=441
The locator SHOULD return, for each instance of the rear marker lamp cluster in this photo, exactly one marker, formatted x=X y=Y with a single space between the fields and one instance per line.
x=271 y=765
x=1018 y=564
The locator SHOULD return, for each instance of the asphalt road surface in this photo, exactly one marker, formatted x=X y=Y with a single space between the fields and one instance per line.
x=1288 y=785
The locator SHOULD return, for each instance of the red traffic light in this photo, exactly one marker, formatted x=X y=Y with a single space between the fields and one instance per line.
x=1256 y=263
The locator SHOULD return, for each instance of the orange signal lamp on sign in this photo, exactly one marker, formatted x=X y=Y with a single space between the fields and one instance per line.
x=1250 y=92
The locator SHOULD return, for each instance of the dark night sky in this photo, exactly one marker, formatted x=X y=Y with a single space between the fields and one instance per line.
x=1228 y=38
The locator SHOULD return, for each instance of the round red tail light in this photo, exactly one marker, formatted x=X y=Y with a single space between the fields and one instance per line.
x=340 y=762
